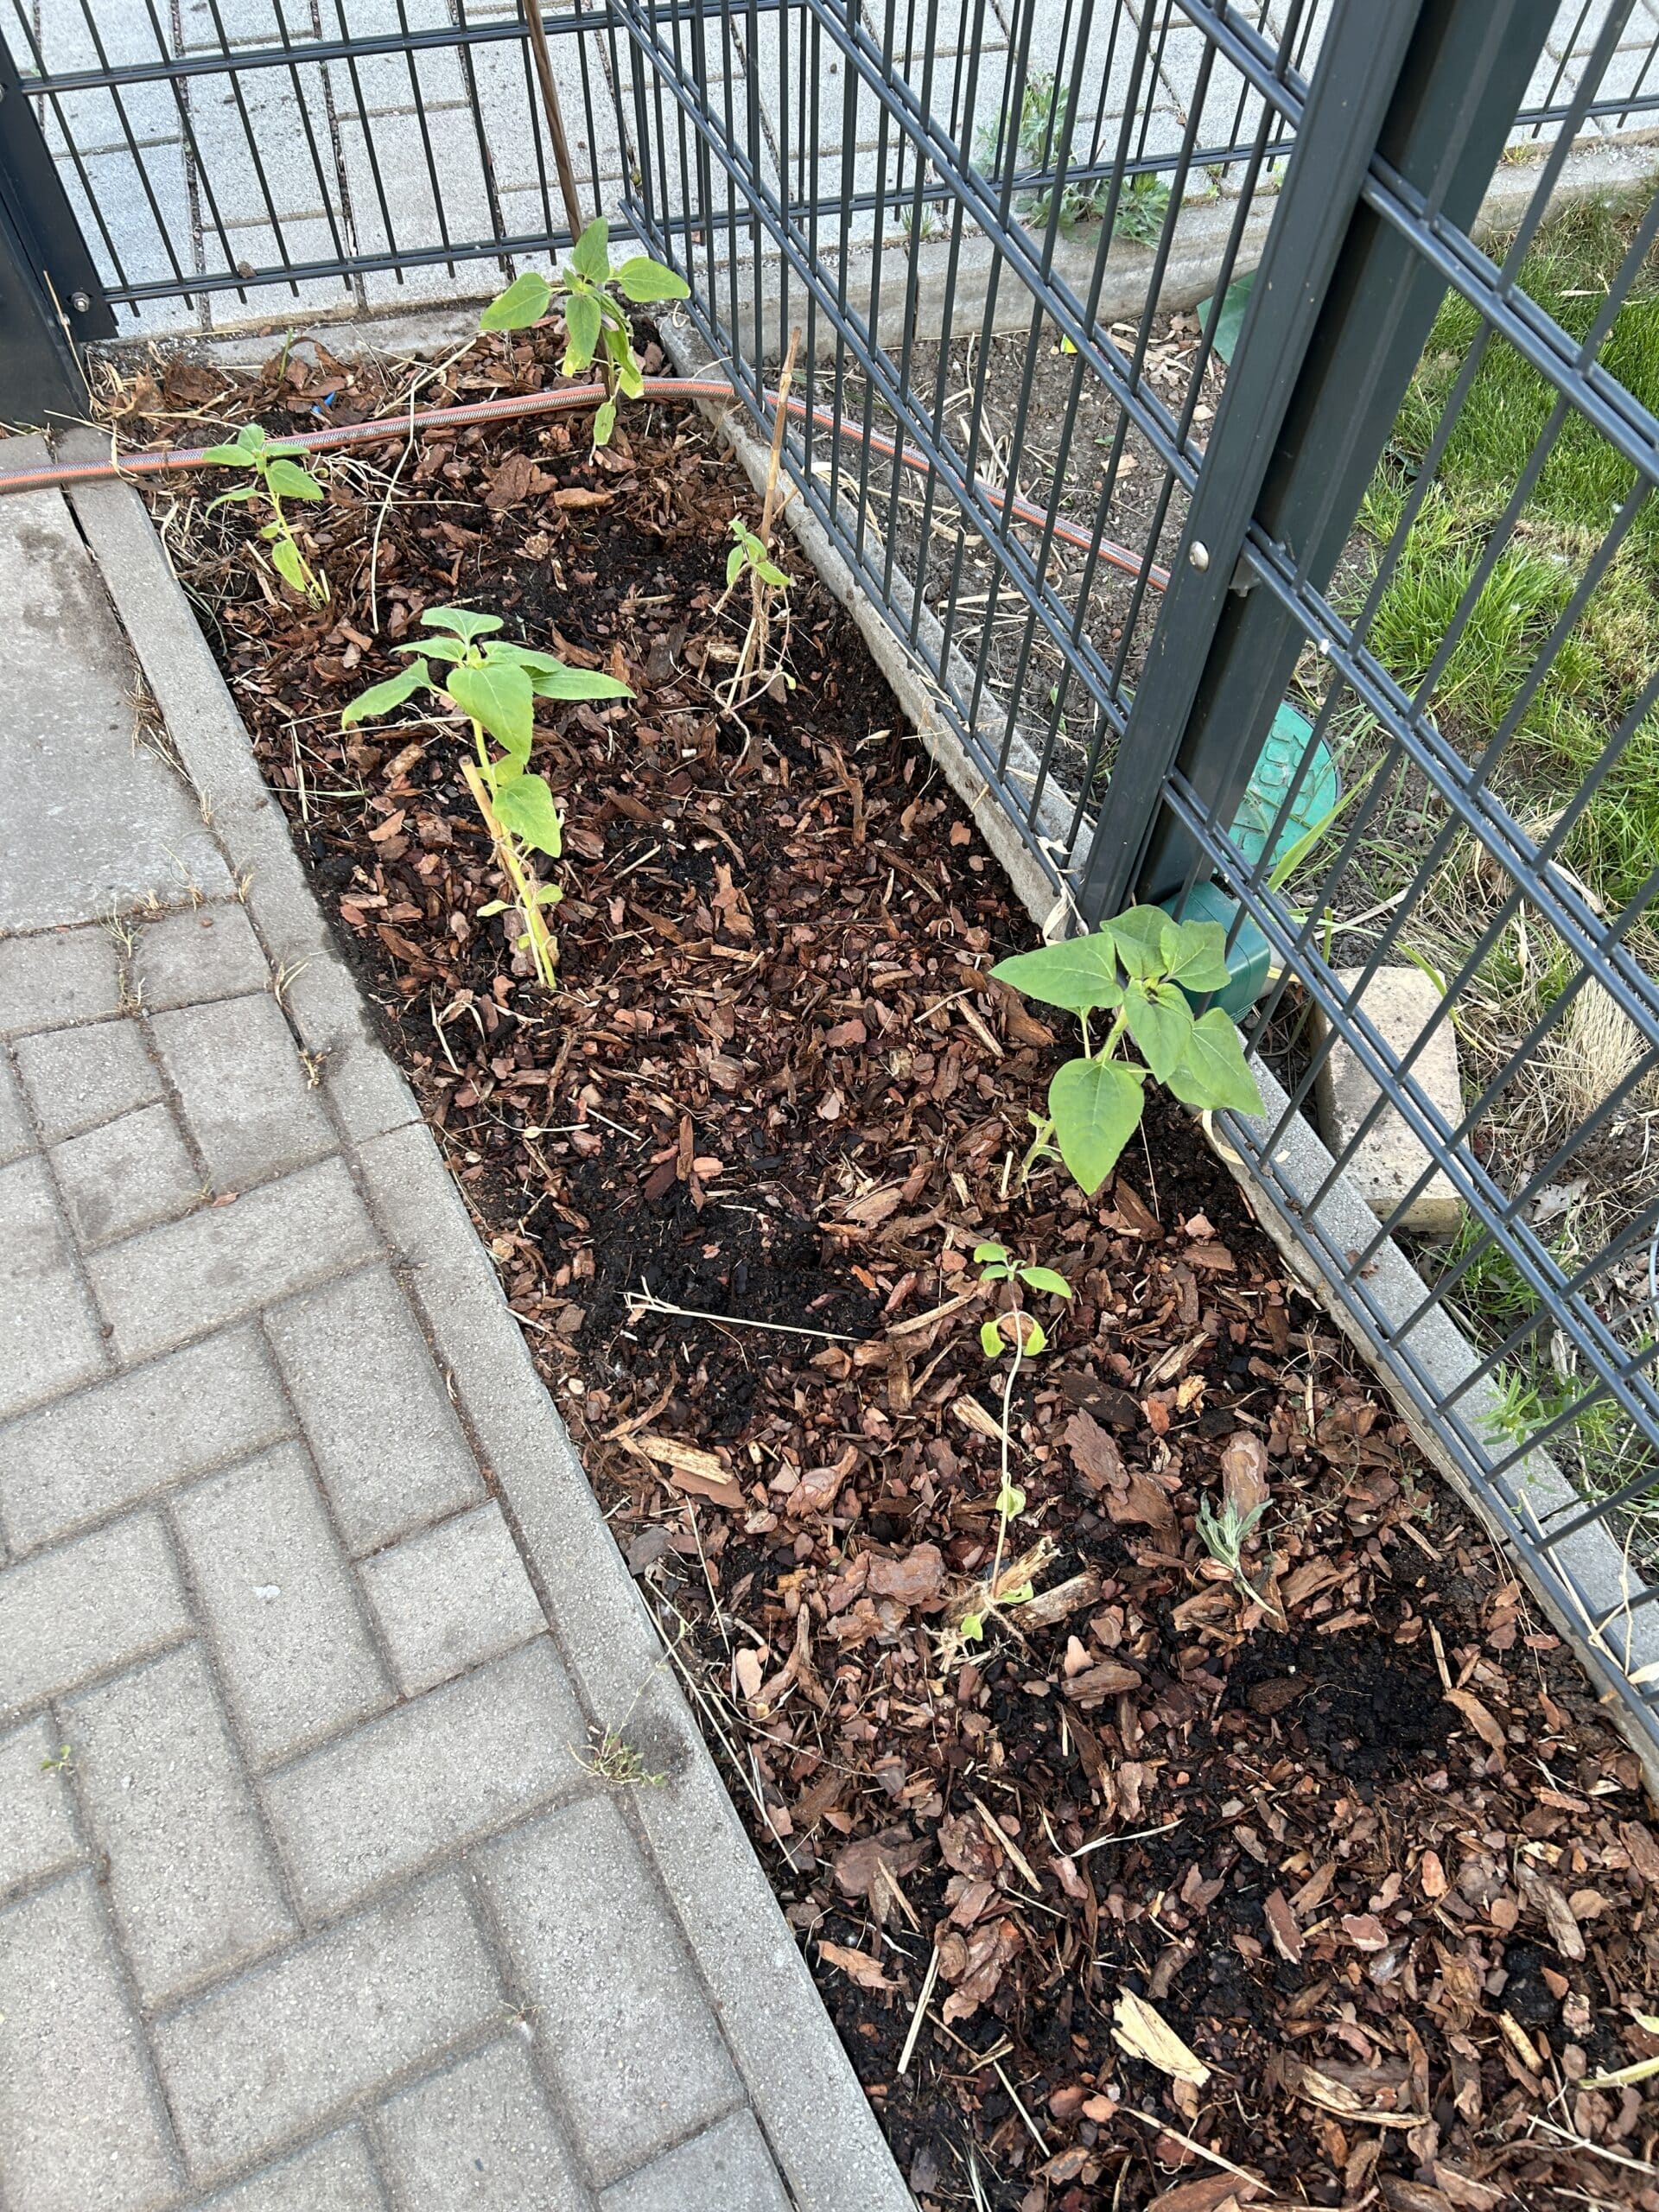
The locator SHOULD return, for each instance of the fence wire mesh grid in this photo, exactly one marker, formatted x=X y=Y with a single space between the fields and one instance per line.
x=1363 y=681
x=230 y=159
x=1245 y=419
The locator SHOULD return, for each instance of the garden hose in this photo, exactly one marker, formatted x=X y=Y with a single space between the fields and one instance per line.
x=668 y=389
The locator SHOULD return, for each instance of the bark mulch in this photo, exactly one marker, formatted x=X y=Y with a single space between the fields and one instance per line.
x=1326 y=1884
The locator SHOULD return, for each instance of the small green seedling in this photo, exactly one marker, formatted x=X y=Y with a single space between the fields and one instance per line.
x=1039 y=135
x=495 y=685
x=750 y=552
x=1224 y=1536
x=758 y=668
x=1140 y=969
x=1016 y=1329
x=594 y=320
x=277 y=476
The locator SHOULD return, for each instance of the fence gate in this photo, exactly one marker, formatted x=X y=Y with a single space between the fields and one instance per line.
x=1273 y=547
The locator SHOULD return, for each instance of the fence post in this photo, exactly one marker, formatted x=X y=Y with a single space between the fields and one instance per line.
x=47 y=278
x=1342 y=306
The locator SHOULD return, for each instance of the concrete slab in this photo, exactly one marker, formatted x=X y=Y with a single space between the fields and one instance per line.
x=107 y=824
x=1388 y=1162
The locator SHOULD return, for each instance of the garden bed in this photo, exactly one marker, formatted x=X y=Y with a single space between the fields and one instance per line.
x=1339 y=1840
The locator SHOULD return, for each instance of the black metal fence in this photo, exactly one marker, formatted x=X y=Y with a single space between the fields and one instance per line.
x=1273 y=546
x=1244 y=633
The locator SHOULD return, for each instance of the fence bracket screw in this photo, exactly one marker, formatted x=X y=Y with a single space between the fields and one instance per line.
x=1198 y=555
x=79 y=301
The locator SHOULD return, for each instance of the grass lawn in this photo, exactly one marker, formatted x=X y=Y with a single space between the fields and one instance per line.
x=1601 y=666
x=1596 y=674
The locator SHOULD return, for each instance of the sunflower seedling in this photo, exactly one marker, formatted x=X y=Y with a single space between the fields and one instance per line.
x=595 y=322
x=495 y=685
x=1140 y=969
x=758 y=669
x=750 y=553
x=277 y=476
x=1224 y=1535
x=1015 y=1328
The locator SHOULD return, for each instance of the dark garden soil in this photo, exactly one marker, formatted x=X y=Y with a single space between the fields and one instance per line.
x=1328 y=1885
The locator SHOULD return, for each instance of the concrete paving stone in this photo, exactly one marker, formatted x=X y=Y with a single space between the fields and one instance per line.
x=606 y=1966
x=62 y=976
x=79 y=2128
x=126 y=1175
x=338 y=2175
x=121 y=829
x=243 y=22
x=480 y=2139
x=50 y=1340
x=277 y=2052
x=188 y=1276
x=191 y=1879
x=1401 y=1004
x=202 y=952
x=75 y=1612
x=16 y=1132
x=124 y=1439
x=304 y=233
x=453 y=1764
x=388 y=1446
x=246 y=1101
x=362 y=1088
x=451 y=1598
x=726 y=2169
x=813 y=2109
x=612 y=1648
x=296 y=1656
x=77 y=1077
x=37 y=1828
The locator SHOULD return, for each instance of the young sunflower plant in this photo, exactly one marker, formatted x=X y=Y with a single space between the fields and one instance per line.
x=495 y=684
x=595 y=322
x=276 y=476
x=1143 y=970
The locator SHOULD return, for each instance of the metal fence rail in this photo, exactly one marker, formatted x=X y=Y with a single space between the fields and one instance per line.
x=1180 y=559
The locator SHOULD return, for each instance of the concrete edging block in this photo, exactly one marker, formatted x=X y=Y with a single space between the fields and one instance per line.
x=802 y=2085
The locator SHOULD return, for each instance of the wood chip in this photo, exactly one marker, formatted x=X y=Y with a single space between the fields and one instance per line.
x=1282 y=1926
x=691 y=1469
x=1143 y=2034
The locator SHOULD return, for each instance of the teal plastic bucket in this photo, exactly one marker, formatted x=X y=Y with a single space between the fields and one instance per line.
x=1288 y=746
x=1250 y=957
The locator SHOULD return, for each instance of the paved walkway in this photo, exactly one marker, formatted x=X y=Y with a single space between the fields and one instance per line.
x=306 y=1901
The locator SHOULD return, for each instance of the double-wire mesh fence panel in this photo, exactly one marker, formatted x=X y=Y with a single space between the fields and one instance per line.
x=1457 y=593
x=237 y=160
x=1244 y=421
x=233 y=160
